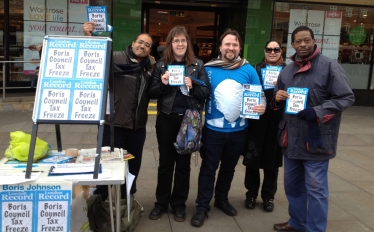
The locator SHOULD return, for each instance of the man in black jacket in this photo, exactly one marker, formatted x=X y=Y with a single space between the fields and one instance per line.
x=132 y=76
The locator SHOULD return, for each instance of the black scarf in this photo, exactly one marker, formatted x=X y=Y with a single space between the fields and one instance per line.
x=130 y=68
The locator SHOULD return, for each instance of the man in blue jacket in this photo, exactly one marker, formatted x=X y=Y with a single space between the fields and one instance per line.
x=309 y=138
x=224 y=131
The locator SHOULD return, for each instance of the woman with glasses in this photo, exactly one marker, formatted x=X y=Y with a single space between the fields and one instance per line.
x=263 y=150
x=179 y=83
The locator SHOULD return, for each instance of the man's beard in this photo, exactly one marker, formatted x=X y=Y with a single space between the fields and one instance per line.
x=232 y=59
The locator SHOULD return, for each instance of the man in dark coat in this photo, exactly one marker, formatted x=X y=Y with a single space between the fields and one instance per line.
x=132 y=78
x=309 y=138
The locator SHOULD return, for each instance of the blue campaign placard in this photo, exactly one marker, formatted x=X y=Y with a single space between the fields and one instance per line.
x=53 y=209
x=17 y=208
x=72 y=79
x=251 y=97
x=297 y=100
x=270 y=75
x=98 y=15
x=36 y=206
x=176 y=75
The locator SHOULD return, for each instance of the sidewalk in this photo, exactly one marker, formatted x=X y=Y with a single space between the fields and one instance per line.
x=351 y=177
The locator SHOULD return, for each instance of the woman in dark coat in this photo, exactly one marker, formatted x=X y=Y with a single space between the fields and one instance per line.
x=263 y=150
x=173 y=178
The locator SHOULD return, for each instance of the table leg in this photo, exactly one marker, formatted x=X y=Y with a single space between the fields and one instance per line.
x=111 y=207
x=118 y=207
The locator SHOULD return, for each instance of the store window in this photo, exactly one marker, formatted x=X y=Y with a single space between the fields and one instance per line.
x=31 y=20
x=344 y=33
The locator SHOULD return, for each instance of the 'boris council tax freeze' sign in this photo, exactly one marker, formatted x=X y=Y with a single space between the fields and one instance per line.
x=35 y=207
x=72 y=78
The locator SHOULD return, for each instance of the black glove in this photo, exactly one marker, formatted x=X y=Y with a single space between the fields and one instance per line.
x=308 y=114
x=314 y=136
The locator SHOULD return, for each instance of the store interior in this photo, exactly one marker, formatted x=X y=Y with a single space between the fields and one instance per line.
x=199 y=24
x=361 y=18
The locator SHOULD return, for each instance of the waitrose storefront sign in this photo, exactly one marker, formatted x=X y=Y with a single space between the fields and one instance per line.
x=325 y=26
x=49 y=17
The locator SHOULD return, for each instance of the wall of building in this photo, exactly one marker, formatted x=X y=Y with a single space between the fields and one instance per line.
x=259 y=16
x=127 y=23
x=247 y=18
x=252 y=19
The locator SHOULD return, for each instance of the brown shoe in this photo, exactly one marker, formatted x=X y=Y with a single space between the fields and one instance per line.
x=283 y=227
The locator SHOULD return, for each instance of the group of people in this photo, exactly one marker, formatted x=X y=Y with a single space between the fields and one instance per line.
x=306 y=140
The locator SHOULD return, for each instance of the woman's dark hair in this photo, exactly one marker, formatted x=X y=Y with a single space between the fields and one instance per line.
x=301 y=28
x=168 y=55
x=267 y=43
x=230 y=31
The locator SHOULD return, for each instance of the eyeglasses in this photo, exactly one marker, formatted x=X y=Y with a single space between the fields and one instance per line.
x=276 y=50
x=307 y=40
x=177 y=41
x=139 y=41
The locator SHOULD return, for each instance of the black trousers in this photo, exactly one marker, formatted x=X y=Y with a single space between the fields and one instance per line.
x=220 y=150
x=171 y=164
x=132 y=141
x=269 y=184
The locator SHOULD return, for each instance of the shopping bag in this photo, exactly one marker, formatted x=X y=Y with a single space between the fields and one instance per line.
x=79 y=219
x=20 y=144
x=189 y=135
x=98 y=213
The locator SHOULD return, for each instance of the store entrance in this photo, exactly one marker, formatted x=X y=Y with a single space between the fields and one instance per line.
x=201 y=26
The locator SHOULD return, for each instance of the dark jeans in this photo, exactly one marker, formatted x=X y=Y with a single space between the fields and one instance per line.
x=269 y=184
x=218 y=147
x=167 y=128
x=307 y=191
x=132 y=141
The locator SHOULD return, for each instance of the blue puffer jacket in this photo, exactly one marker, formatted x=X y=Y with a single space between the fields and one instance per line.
x=329 y=95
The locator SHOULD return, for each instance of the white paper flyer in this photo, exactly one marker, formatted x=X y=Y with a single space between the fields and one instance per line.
x=270 y=76
x=297 y=100
x=176 y=75
x=98 y=15
x=251 y=97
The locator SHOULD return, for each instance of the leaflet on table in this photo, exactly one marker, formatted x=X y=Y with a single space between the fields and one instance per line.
x=105 y=174
x=297 y=100
x=176 y=74
x=9 y=177
x=270 y=75
x=72 y=169
x=251 y=97
x=72 y=80
x=36 y=206
x=57 y=159
x=127 y=156
x=98 y=15
x=88 y=155
x=54 y=158
x=16 y=162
